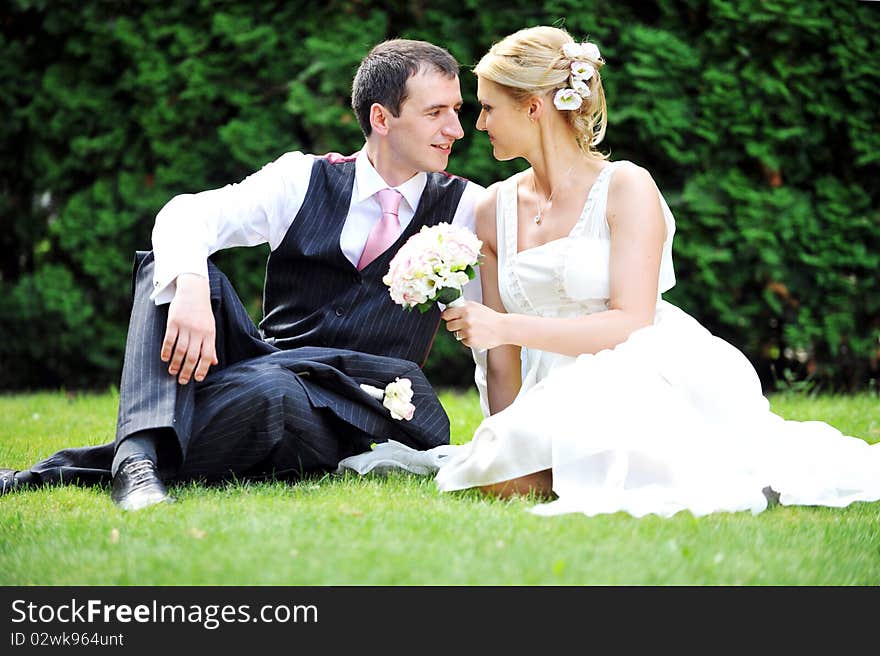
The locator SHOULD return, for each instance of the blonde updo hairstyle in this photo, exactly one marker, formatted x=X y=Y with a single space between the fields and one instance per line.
x=531 y=62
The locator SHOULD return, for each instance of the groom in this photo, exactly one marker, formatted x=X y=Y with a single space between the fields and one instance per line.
x=204 y=393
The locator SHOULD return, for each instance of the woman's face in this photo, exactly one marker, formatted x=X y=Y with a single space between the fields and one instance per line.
x=505 y=121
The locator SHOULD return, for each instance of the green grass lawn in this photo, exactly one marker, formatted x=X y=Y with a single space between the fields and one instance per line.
x=399 y=530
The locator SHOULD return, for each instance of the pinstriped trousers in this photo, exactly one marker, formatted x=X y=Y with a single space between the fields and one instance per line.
x=149 y=397
x=260 y=412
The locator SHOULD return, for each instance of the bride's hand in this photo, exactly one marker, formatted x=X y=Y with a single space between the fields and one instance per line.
x=475 y=325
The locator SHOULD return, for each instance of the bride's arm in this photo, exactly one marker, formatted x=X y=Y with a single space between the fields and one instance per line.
x=503 y=372
x=637 y=234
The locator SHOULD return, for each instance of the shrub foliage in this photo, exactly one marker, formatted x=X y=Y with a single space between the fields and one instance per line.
x=757 y=118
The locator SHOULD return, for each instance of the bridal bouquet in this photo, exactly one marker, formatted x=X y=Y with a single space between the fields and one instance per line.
x=433 y=265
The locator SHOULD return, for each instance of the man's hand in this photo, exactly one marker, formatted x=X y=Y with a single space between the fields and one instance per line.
x=190 y=332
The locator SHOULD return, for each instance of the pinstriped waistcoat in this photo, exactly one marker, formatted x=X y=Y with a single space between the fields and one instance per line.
x=313 y=296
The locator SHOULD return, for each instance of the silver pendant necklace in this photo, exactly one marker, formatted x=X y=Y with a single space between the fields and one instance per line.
x=540 y=215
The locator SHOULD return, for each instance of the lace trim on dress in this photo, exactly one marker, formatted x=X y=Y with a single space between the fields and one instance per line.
x=507 y=199
x=592 y=198
x=578 y=229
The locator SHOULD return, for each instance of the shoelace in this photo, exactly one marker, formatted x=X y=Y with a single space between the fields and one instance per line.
x=140 y=471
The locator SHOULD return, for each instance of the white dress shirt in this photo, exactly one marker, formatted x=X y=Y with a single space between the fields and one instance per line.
x=261 y=208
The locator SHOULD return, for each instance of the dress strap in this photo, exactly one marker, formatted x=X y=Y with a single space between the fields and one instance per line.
x=592 y=221
x=506 y=219
x=506 y=222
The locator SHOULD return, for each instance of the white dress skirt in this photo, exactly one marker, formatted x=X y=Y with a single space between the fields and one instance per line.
x=672 y=419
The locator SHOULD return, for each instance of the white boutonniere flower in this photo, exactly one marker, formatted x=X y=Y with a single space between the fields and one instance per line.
x=567 y=99
x=396 y=396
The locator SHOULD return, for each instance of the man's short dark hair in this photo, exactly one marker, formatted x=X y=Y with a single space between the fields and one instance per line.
x=383 y=74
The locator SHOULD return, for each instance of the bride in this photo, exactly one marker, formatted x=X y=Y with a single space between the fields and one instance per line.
x=602 y=395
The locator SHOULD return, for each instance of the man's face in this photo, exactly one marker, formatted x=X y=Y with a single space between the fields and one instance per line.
x=421 y=138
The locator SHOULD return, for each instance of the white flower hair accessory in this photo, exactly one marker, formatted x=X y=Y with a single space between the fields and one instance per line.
x=585 y=50
x=567 y=99
x=582 y=71
x=582 y=88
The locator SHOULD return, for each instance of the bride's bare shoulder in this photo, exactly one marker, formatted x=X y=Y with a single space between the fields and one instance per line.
x=631 y=178
x=484 y=214
x=633 y=198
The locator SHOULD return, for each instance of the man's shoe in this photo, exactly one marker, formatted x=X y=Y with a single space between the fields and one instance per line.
x=772 y=496
x=7 y=480
x=137 y=484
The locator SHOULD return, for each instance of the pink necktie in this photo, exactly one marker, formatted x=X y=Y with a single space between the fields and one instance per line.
x=386 y=231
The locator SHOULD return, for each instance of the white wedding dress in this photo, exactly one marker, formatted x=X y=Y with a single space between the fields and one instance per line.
x=672 y=419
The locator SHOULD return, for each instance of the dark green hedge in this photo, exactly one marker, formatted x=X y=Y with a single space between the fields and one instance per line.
x=758 y=119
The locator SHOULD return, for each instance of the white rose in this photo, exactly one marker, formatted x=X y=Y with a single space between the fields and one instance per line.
x=398 y=397
x=460 y=279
